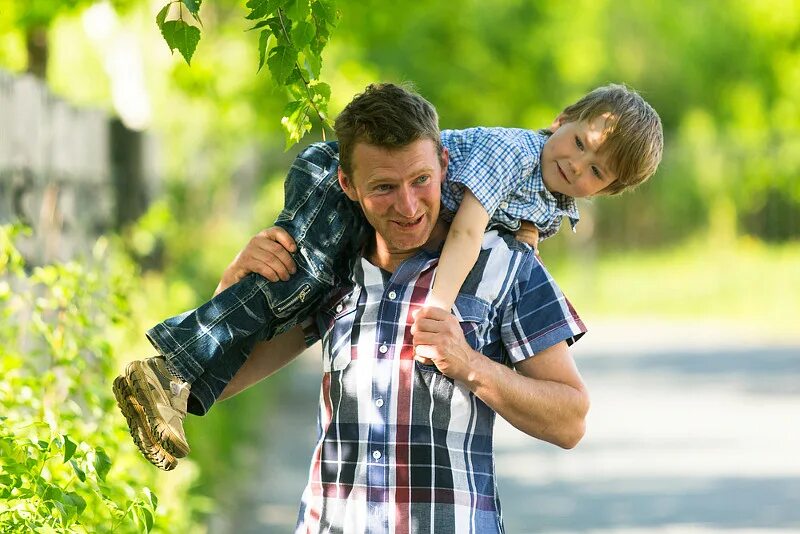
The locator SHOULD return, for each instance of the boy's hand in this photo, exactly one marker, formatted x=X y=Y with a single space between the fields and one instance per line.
x=267 y=254
x=528 y=233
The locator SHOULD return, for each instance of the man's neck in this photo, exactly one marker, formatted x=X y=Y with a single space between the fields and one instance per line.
x=380 y=256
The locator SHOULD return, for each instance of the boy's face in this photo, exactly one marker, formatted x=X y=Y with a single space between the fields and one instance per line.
x=570 y=162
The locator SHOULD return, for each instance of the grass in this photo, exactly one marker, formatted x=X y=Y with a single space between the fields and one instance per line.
x=745 y=281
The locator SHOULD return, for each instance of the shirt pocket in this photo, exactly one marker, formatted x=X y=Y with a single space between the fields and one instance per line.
x=473 y=317
x=337 y=321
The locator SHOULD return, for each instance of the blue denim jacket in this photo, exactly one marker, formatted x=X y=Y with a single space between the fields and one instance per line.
x=206 y=346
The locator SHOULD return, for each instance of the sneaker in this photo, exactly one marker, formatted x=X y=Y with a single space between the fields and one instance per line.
x=140 y=428
x=163 y=399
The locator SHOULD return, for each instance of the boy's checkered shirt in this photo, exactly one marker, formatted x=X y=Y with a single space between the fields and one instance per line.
x=502 y=168
x=401 y=447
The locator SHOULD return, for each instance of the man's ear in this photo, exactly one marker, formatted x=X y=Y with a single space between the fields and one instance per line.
x=445 y=160
x=347 y=187
x=557 y=123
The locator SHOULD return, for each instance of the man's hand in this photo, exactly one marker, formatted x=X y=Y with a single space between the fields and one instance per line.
x=438 y=338
x=528 y=233
x=267 y=254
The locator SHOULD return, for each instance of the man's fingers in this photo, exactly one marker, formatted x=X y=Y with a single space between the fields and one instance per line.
x=426 y=338
x=424 y=324
x=283 y=237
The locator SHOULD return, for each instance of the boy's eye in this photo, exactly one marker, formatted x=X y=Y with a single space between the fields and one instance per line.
x=596 y=172
x=578 y=143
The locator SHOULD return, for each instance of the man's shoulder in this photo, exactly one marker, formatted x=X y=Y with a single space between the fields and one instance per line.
x=504 y=242
x=501 y=261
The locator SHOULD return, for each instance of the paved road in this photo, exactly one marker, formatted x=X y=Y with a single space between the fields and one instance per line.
x=680 y=440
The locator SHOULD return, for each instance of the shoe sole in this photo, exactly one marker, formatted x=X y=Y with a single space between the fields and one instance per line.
x=139 y=427
x=160 y=430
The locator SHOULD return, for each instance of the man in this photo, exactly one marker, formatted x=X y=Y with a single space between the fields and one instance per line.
x=406 y=446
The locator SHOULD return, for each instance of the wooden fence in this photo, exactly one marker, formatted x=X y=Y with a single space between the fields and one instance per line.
x=69 y=173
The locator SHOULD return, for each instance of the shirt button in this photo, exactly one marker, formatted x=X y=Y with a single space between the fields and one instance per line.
x=339 y=308
x=379 y=403
x=383 y=348
x=376 y=455
x=392 y=295
x=504 y=205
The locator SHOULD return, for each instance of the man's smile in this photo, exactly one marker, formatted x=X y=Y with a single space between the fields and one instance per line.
x=409 y=224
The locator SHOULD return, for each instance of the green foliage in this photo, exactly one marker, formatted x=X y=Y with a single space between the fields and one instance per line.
x=178 y=34
x=60 y=434
x=292 y=36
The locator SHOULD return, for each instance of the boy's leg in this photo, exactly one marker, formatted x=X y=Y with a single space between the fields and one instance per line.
x=213 y=341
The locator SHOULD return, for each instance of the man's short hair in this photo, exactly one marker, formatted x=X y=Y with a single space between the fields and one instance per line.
x=634 y=139
x=388 y=116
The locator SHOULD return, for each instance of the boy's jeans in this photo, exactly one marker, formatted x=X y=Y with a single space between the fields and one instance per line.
x=206 y=346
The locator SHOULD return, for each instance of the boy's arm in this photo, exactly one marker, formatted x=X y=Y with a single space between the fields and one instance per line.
x=461 y=249
x=265 y=359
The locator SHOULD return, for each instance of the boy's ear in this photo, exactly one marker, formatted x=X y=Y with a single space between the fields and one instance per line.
x=557 y=122
x=347 y=187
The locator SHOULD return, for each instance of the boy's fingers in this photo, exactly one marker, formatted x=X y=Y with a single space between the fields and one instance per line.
x=423 y=360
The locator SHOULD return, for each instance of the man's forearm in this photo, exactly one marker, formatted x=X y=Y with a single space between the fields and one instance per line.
x=265 y=359
x=552 y=411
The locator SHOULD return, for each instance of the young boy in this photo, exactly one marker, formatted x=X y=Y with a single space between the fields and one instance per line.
x=609 y=141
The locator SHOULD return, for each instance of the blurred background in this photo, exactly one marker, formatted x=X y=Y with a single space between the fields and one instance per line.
x=139 y=178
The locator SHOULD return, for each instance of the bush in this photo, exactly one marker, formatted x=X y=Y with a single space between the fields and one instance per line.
x=66 y=461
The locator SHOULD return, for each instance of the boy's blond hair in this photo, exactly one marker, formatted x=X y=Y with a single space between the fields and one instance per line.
x=634 y=140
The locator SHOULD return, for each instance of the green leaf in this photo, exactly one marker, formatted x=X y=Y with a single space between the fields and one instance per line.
x=192 y=5
x=313 y=62
x=181 y=36
x=324 y=11
x=302 y=34
x=295 y=121
x=194 y=8
x=147 y=515
x=298 y=10
x=78 y=471
x=102 y=463
x=258 y=25
x=151 y=497
x=76 y=500
x=162 y=15
x=69 y=448
x=281 y=61
x=262 y=8
x=322 y=90
x=263 y=39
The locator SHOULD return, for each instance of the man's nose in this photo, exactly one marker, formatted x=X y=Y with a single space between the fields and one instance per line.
x=406 y=204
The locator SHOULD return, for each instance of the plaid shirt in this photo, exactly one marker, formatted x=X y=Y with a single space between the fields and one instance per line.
x=401 y=447
x=502 y=169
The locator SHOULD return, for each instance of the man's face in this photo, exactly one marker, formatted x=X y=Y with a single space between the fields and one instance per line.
x=399 y=191
x=571 y=164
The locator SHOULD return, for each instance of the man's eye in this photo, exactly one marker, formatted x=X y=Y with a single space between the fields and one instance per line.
x=578 y=143
x=383 y=187
x=422 y=179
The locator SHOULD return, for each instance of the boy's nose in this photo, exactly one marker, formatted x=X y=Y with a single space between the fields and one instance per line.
x=577 y=166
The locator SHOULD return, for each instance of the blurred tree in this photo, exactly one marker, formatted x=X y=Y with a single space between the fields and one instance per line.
x=35 y=19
